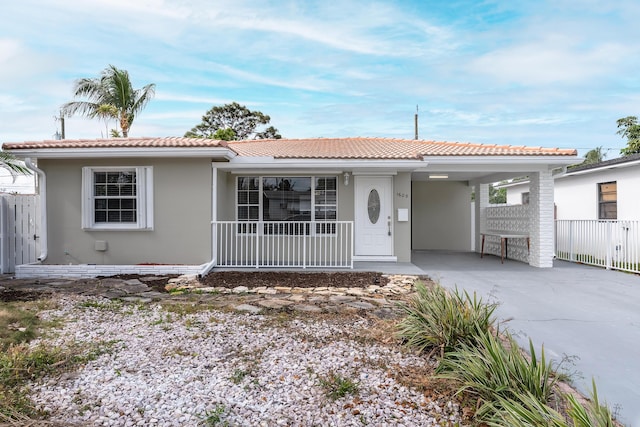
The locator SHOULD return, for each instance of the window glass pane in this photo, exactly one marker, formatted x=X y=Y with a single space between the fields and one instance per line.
x=286 y=199
x=113 y=216
x=100 y=190
x=254 y=212
x=101 y=204
x=113 y=204
x=128 y=216
x=127 y=203
x=99 y=177
x=101 y=216
x=243 y=213
x=254 y=197
x=243 y=197
x=127 y=190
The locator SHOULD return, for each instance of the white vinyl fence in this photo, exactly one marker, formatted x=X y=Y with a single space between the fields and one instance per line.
x=611 y=244
x=283 y=244
x=19 y=231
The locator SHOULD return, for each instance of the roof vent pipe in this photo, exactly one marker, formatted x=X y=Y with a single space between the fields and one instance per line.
x=44 y=251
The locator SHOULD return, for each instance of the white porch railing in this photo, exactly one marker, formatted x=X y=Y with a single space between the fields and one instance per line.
x=327 y=244
x=606 y=243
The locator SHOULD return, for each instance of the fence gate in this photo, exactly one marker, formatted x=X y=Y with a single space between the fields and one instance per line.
x=19 y=230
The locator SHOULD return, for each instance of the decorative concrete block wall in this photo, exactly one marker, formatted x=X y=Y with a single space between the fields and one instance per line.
x=513 y=219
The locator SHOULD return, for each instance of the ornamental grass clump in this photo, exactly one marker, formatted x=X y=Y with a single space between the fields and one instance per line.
x=593 y=414
x=527 y=410
x=492 y=370
x=439 y=320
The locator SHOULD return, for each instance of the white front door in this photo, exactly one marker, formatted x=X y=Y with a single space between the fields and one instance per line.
x=373 y=216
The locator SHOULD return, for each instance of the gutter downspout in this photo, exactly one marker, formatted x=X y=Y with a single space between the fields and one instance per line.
x=44 y=250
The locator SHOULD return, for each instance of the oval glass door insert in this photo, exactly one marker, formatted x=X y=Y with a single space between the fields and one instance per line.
x=373 y=206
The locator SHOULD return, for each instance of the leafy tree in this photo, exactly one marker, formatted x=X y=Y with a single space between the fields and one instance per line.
x=497 y=195
x=629 y=128
x=112 y=88
x=236 y=118
x=594 y=156
x=226 y=134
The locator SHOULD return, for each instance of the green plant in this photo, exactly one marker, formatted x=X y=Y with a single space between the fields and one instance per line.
x=436 y=319
x=491 y=370
x=337 y=386
x=101 y=305
x=19 y=364
x=238 y=376
x=523 y=410
x=594 y=415
x=213 y=417
x=17 y=325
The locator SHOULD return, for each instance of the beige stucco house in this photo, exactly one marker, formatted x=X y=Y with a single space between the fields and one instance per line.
x=190 y=205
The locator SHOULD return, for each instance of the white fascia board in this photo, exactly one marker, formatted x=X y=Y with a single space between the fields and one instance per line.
x=262 y=163
x=543 y=162
x=603 y=168
x=513 y=184
x=89 y=153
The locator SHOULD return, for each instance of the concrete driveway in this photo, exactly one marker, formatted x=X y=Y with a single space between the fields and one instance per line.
x=574 y=310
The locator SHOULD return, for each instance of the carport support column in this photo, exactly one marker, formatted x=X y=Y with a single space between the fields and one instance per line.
x=541 y=226
x=481 y=203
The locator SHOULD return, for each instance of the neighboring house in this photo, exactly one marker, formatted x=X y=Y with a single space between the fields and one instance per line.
x=135 y=204
x=604 y=190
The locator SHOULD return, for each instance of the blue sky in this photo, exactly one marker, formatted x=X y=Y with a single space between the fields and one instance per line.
x=555 y=73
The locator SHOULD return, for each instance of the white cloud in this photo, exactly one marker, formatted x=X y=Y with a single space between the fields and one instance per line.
x=548 y=61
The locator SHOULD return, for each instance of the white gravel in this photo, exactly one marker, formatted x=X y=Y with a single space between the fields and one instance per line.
x=248 y=370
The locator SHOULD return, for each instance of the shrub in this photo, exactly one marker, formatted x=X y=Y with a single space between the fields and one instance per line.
x=525 y=410
x=493 y=371
x=438 y=320
x=594 y=415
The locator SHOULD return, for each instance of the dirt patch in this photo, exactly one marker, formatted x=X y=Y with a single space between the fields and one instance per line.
x=9 y=295
x=254 y=279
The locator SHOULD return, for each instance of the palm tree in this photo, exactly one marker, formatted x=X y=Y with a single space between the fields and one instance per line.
x=13 y=165
x=113 y=88
x=106 y=112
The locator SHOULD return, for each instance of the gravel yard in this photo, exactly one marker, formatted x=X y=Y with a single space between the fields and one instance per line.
x=184 y=365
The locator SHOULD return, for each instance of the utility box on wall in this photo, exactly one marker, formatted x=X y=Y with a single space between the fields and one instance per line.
x=403 y=215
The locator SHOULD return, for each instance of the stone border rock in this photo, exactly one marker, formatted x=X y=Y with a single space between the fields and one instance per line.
x=398 y=284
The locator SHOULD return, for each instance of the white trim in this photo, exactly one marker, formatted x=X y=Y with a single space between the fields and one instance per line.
x=603 y=168
x=93 y=270
x=374 y=173
x=123 y=152
x=144 y=199
x=388 y=258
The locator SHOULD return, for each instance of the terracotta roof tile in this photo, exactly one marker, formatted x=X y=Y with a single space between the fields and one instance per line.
x=310 y=148
x=381 y=148
x=174 y=142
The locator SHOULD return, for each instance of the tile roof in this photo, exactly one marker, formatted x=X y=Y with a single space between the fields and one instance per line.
x=380 y=148
x=310 y=148
x=175 y=142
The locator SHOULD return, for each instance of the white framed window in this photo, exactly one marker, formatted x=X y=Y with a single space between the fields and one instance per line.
x=117 y=198
x=293 y=200
x=608 y=200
